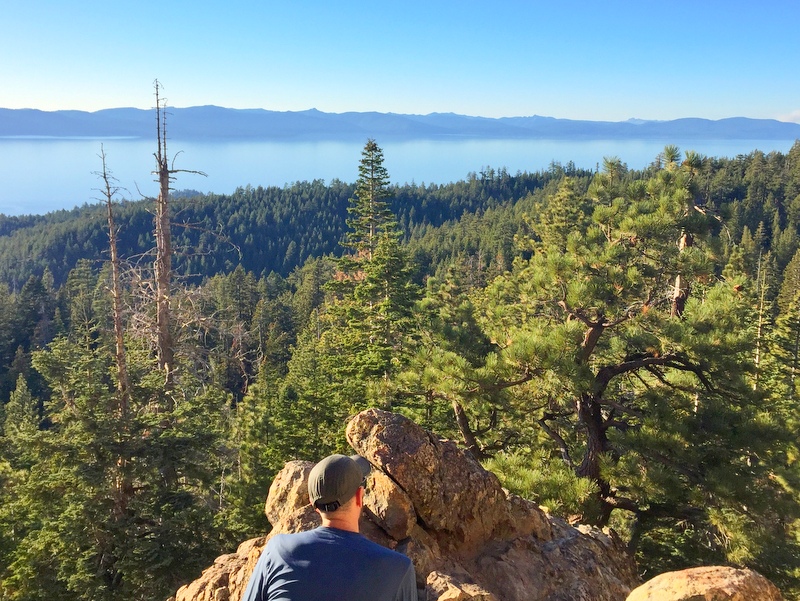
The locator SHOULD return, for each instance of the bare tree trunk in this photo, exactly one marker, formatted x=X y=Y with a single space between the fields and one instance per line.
x=123 y=382
x=165 y=347
x=163 y=262
x=123 y=487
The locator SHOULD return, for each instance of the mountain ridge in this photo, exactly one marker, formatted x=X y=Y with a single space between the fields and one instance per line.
x=215 y=122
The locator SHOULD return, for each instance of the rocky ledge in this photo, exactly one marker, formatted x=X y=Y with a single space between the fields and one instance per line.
x=469 y=538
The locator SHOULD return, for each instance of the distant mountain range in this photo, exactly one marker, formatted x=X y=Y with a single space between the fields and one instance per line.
x=213 y=122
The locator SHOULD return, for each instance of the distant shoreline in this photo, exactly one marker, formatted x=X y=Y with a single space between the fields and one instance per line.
x=216 y=123
x=41 y=175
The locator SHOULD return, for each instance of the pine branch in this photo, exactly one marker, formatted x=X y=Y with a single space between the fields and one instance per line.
x=562 y=445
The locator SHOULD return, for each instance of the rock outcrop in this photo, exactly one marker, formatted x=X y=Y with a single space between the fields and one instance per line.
x=469 y=539
x=713 y=583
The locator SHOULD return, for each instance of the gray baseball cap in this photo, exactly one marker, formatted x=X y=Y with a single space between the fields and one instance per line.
x=335 y=479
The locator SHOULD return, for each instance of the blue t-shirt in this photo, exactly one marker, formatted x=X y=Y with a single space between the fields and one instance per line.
x=327 y=564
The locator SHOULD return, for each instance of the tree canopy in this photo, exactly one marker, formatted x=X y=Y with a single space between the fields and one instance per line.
x=620 y=346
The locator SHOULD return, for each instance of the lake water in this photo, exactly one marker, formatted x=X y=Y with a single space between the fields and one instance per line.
x=42 y=175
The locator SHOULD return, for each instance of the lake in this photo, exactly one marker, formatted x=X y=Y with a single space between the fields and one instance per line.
x=39 y=175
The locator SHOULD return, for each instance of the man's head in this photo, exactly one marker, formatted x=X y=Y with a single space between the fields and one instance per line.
x=335 y=480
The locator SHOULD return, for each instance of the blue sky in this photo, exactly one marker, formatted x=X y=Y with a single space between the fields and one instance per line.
x=601 y=60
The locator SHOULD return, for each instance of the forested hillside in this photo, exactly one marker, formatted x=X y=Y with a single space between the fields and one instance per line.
x=261 y=229
x=619 y=346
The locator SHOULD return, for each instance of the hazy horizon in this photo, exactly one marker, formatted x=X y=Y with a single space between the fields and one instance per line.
x=609 y=61
x=311 y=109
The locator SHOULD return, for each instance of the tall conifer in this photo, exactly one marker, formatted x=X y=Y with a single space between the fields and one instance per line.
x=369 y=210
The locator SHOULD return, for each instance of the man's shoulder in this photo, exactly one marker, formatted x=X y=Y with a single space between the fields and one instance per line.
x=380 y=549
x=293 y=539
x=340 y=559
x=316 y=534
x=332 y=537
x=378 y=555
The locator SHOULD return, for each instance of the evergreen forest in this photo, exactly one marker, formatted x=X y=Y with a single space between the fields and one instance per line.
x=619 y=345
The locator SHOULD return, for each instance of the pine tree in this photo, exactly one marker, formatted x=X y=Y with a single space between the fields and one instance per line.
x=320 y=390
x=558 y=215
x=654 y=406
x=354 y=344
x=255 y=441
x=20 y=422
x=113 y=506
x=381 y=310
x=449 y=347
x=369 y=208
x=786 y=334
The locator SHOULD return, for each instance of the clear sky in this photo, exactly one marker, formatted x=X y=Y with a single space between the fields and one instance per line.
x=599 y=59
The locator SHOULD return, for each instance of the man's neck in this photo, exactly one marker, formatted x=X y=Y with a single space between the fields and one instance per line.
x=346 y=517
x=340 y=523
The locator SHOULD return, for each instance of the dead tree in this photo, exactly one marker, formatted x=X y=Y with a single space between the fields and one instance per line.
x=123 y=486
x=123 y=381
x=165 y=347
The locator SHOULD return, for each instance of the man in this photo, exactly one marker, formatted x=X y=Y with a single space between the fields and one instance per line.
x=333 y=562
